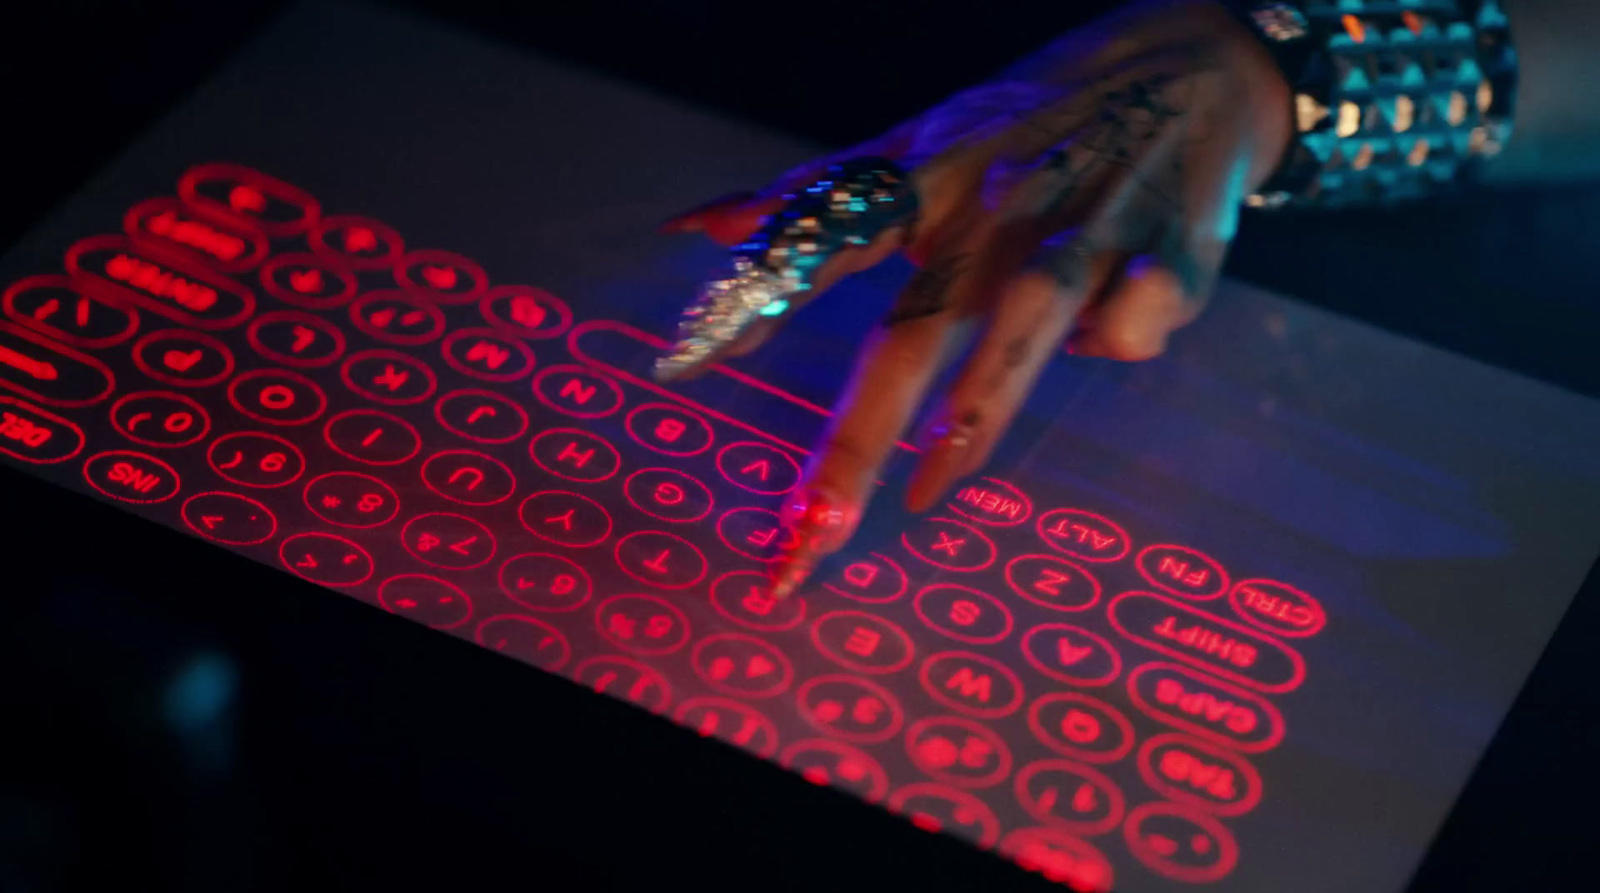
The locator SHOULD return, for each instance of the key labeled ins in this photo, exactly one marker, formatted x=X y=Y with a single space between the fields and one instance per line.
x=130 y=476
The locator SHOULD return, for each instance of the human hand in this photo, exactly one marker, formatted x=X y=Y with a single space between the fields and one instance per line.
x=1086 y=196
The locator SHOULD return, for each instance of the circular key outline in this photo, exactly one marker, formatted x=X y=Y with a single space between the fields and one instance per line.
x=884 y=695
x=779 y=526
x=610 y=524
x=1227 y=859
x=1059 y=676
x=405 y=541
x=225 y=172
x=925 y=677
x=961 y=799
x=269 y=284
x=394 y=499
x=97 y=277
x=8 y=306
x=422 y=472
x=680 y=641
x=394 y=243
x=440 y=257
x=183 y=512
x=496 y=321
x=770 y=650
x=1114 y=815
x=877 y=788
x=283 y=557
x=177 y=482
x=953 y=505
x=1094 y=583
x=722 y=454
x=416 y=437
x=1226 y=581
x=383 y=600
x=905 y=584
x=21 y=405
x=994 y=553
x=642 y=668
x=720 y=608
x=1127 y=541
x=1250 y=775
x=566 y=645
x=1123 y=725
x=1010 y=845
x=292 y=449
x=454 y=362
x=899 y=633
x=150 y=372
x=157 y=244
x=253 y=374
x=681 y=714
x=628 y=494
x=705 y=565
x=196 y=410
x=613 y=387
x=511 y=592
x=608 y=448
x=359 y=319
x=492 y=397
x=922 y=614
x=1171 y=720
x=998 y=746
x=1255 y=620
x=413 y=363
x=252 y=335
x=628 y=425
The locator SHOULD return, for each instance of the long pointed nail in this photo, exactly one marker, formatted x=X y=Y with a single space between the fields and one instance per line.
x=947 y=444
x=818 y=522
x=694 y=219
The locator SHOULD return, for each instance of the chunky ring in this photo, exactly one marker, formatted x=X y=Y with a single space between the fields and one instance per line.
x=849 y=207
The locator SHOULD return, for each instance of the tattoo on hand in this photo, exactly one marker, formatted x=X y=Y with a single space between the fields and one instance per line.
x=928 y=292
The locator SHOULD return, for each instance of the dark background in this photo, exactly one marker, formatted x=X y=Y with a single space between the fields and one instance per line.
x=342 y=761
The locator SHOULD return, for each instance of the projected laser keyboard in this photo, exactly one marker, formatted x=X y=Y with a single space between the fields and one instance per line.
x=1090 y=701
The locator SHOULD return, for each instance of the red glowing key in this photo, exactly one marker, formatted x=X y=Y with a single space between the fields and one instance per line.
x=114 y=269
x=1277 y=608
x=577 y=391
x=642 y=624
x=487 y=355
x=874 y=579
x=446 y=540
x=1070 y=796
x=937 y=807
x=736 y=723
x=240 y=196
x=163 y=226
x=292 y=338
x=468 y=477
x=1180 y=843
x=668 y=429
x=1071 y=654
x=668 y=495
x=359 y=243
x=527 y=639
x=1081 y=727
x=1206 y=708
x=564 y=518
x=307 y=281
x=850 y=708
x=992 y=501
x=540 y=581
x=824 y=762
x=35 y=435
x=1190 y=771
x=1052 y=582
x=481 y=416
x=660 y=559
x=351 y=499
x=131 y=477
x=525 y=312
x=950 y=545
x=758 y=468
x=1182 y=571
x=397 y=317
x=971 y=684
x=46 y=372
x=48 y=304
x=741 y=665
x=575 y=455
x=388 y=377
x=862 y=642
x=372 y=437
x=277 y=397
x=1220 y=647
x=958 y=751
x=446 y=277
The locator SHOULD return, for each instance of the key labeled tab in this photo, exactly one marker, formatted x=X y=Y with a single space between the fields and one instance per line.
x=1084 y=535
x=131 y=477
x=113 y=269
x=1053 y=583
x=1277 y=608
x=481 y=416
x=1190 y=771
x=950 y=545
x=862 y=642
x=971 y=684
x=351 y=499
x=754 y=533
x=742 y=665
x=642 y=624
x=1071 y=654
x=527 y=639
x=958 y=752
x=372 y=437
x=238 y=195
x=874 y=579
x=292 y=338
x=468 y=477
x=1221 y=647
x=35 y=435
x=51 y=306
x=160 y=419
x=256 y=459
x=577 y=391
x=453 y=542
x=668 y=429
x=164 y=226
x=444 y=276
x=1182 y=571
x=46 y=372
x=741 y=596
x=565 y=519
x=992 y=501
x=1081 y=727
x=850 y=708
x=1060 y=858
x=397 y=317
x=542 y=582
x=731 y=721
x=833 y=764
x=325 y=559
x=575 y=455
x=277 y=397
x=429 y=601
x=487 y=355
x=356 y=243
x=229 y=518
x=660 y=559
x=668 y=495
x=1179 y=843
x=963 y=613
x=627 y=679
x=1070 y=796
x=183 y=359
x=525 y=312
x=1206 y=708
x=758 y=468
x=937 y=808
x=388 y=377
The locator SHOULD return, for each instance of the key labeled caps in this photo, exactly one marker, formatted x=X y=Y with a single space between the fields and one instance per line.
x=565 y=518
x=540 y=581
x=736 y=723
x=668 y=429
x=742 y=665
x=277 y=397
x=527 y=639
x=450 y=541
x=850 y=708
x=1206 y=708
x=1083 y=534
x=468 y=477
x=971 y=684
x=357 y=243
x=427 y=600
x=487 y=355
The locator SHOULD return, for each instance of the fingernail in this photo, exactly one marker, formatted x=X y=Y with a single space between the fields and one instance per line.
x=946 y=446
x=693 y=220
x=817 y=523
